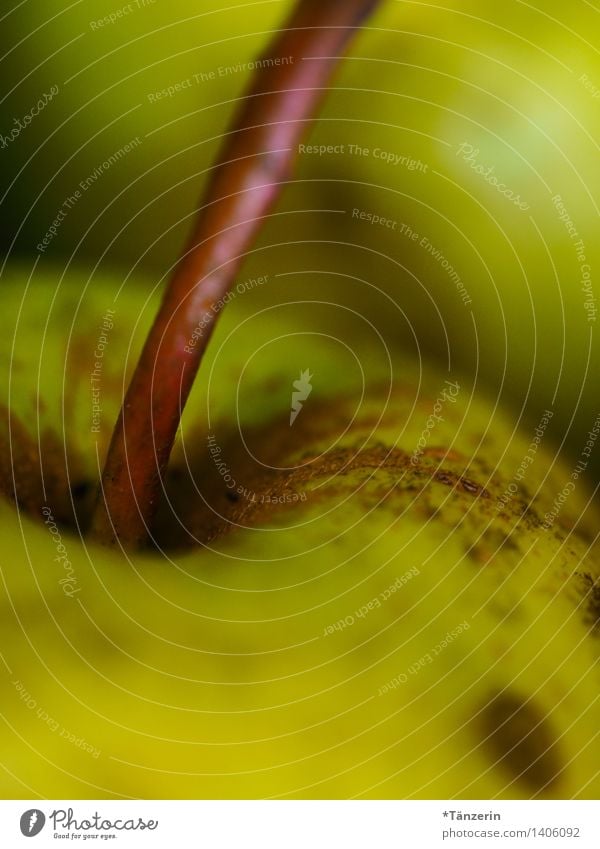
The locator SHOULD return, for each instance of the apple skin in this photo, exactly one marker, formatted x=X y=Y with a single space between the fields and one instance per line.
x=508 y=83
x=231 y=669
x=109 y=79
x=418 y=83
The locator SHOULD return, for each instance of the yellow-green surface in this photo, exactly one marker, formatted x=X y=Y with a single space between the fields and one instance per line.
x=517 y=82
x=391 y=633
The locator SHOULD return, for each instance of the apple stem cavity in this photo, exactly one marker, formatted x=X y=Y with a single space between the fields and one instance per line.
x=251 y=170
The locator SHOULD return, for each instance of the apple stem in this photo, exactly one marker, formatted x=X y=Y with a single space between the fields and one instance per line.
x=251 y=170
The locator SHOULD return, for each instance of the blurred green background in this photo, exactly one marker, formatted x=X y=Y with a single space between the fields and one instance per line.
x=433 y=103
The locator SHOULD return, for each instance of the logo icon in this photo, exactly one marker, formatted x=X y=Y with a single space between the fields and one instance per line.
x=303 y=389
x=32 y=822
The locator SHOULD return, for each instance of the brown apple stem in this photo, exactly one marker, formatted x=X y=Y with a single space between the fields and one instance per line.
x=250 y=172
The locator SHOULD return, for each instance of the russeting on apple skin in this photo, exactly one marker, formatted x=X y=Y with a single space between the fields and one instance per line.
x=362 y=603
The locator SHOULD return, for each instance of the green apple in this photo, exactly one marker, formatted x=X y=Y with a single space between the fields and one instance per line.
x=426 y=98
x=472 y=128
x=380 y=596
x=136 y=96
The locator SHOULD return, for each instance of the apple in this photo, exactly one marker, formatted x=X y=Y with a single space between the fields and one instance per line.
x=368 y=602
x=359 y=578
x=427 y=97
x=472 y=127
x=135 y=83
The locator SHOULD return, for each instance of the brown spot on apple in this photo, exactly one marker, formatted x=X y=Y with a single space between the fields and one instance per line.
x=473 y=488
x=592 y=593
x=466 y=484
x=489 y=544
x=521 y=741
x=32 y=472
x=440 y=453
